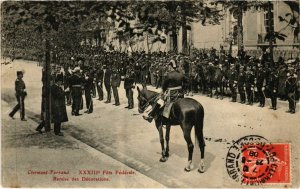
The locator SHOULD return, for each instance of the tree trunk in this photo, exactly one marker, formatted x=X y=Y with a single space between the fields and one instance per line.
x=184 y=37
x=174 y=41
x=47 y=88
x=240 y=28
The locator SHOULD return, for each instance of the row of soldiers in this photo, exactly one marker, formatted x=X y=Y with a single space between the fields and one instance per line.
x=214 y=74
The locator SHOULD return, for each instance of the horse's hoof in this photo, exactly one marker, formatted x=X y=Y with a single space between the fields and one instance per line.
x=187 y=169
x=201 y=170
x=163 y=159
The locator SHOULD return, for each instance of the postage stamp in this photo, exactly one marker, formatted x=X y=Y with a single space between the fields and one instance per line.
x=253 y=160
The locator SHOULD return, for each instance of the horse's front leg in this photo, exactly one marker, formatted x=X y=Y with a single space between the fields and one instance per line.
x=168 y=128
x=161 y=139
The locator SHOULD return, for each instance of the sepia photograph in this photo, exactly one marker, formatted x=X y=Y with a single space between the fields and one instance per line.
x=150 y=94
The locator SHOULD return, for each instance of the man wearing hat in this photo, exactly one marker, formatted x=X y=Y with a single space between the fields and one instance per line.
x=107 y=77
x=273 y=87
x=115 y=83
x=21 y=93
x=260 y=85
x=233 y=78
x=291 y=87
x=76 y=84
x=128 y=86
x=172 y=88
x=58 y=106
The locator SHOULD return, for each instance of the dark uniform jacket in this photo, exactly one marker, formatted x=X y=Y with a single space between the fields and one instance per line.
x=76 y=82
x=273 y=82
x=291 y=83
x=115 y=79
x=107 y=76
x=173 y=79
x=58 y=105
x=129 y=80
x=20 y=87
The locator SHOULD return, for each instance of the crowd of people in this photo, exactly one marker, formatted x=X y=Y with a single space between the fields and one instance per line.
x=91 y=72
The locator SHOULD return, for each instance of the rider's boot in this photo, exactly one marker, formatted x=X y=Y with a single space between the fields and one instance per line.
x=151 y=114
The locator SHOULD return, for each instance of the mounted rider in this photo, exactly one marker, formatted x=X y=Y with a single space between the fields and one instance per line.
x=171 y=91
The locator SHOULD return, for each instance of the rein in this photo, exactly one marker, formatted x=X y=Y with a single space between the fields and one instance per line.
x=149 y=101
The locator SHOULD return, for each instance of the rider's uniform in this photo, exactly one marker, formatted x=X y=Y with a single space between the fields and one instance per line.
x=172 y=86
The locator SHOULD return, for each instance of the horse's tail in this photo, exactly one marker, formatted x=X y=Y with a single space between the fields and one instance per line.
x=199 y=123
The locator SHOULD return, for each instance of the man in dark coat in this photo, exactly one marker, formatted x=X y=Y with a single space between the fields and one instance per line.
x=241 y=85
x=171 y=90
x=291 y=87
x=76 y=83
x=21 y=93
x=88 y=88
x=128 y=86
x=107 y=77
x=99 y=82
x=273 y=87
x=115 y=83
x=58 y=106
x=250 y=85
x=260 y=85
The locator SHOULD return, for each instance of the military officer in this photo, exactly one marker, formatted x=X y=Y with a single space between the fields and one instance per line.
x=241 y=85
x=115 y=83
x=291 y=87
x=260 y=85
x=107 y=77
x=88 y=88
x=273 y=87
x=249 y=85
x=76 y=84
x=21 y=93
x=171 y=90
x=128 y=86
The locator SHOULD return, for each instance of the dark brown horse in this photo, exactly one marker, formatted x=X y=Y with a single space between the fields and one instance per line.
x=185 y=112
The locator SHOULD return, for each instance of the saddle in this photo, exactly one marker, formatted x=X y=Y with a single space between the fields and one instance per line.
x=171 y=97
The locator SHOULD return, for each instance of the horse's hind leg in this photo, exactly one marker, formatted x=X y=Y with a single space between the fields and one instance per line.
x=200 y=138
x=168 y=128
x=187 y=136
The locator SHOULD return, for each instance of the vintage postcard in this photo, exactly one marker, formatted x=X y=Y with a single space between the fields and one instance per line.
x=150 y=94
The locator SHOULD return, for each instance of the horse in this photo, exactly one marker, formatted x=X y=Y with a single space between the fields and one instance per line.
x=185 y=112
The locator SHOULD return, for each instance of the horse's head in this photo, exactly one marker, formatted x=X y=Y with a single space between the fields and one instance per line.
x=142 y=99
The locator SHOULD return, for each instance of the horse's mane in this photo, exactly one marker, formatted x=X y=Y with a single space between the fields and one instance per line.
x=149 y=94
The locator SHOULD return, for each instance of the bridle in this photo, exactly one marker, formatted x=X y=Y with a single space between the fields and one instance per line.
x=148 y=102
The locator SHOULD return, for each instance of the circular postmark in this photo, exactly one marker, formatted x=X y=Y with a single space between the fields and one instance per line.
x=250 y=160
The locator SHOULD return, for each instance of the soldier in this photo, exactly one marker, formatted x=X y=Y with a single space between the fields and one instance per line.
x=115 y=83
x=171 y=90
x=291 y=87
x=219 y=74
x=210 y=78
x=128 y=86
x=66 y=83
x=250 y=85
x=21 y=93
x=88 y=88
x=273 y=87
x=233 y=77
x=241 y=85
x=99 y=82
x=76 y=83
x=107 y=77
x=260 y=85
